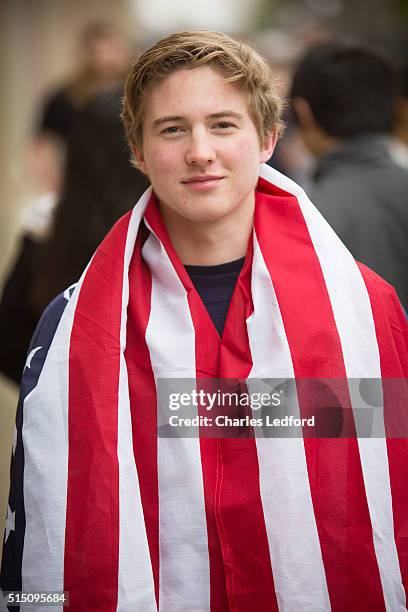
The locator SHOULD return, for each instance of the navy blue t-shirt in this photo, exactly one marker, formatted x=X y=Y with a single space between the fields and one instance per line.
x=215 y=285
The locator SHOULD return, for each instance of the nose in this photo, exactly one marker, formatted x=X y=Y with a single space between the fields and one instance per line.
x=200 y=148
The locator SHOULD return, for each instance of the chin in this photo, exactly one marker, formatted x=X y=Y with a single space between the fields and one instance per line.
x=206 y=213
x=205 y=208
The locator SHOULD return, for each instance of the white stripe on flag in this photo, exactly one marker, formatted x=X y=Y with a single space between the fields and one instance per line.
x=184 y=557
x=135 y=577
x=45 y=436
x=298 y=571
x=349 y=299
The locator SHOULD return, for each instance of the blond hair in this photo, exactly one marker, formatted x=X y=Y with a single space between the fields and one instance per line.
x=187 y=50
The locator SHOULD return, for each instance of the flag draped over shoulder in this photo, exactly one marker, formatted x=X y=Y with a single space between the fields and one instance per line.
x=129 y=521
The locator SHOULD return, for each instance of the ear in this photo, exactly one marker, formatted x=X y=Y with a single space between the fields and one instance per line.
x=139 y=158
x=304 y=113
x=401 y=112
x=268 y=146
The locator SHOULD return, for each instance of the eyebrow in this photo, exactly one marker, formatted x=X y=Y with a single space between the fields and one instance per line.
x=226 y=113
x=219 y=115
x=167 y=119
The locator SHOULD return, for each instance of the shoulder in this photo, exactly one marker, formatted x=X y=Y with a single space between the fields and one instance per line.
x=391 y=324
x=57 y=97
x=384 y=297
x=375 y=281
x=51 y=316
x=378 y=286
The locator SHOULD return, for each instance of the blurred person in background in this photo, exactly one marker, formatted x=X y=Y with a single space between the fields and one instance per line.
x=102 y=62
x=290 y=156
x=98 y=187
x=283 y=50
x=103 y=58
x=343 y=97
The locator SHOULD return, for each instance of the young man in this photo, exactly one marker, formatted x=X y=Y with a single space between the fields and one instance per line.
x=344 y=97
x=124 y=517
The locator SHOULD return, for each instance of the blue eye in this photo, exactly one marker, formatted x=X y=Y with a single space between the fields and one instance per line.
x=224 y=125
x=173 y=129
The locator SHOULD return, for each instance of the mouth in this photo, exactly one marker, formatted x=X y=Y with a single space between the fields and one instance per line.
x=203 y=183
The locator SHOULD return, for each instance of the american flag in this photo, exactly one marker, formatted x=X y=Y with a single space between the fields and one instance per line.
x=103 y=508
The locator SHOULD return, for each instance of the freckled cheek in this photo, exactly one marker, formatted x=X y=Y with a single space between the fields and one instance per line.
x=242 y=151
x=244 y=160
x=166 y=161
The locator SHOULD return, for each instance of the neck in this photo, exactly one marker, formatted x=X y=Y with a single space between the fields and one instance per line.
x=402 y=134
x=209 y=243
x=319 y=142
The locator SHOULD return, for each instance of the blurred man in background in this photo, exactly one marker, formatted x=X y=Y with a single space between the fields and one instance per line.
x=344 y=101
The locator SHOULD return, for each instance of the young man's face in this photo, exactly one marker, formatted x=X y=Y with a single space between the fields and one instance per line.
x=201 y=149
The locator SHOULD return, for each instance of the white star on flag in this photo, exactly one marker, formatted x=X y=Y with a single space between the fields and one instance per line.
x=30 y=356
x=10 y=522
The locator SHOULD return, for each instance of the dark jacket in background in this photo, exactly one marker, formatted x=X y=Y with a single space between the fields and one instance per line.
x=363 y=194
x=18 y=318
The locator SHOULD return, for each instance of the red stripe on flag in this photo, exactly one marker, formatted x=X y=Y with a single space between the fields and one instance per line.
x=240 y=510
x=92 y=521
x=143 y=402
x=334 y=467
x=392 y=333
